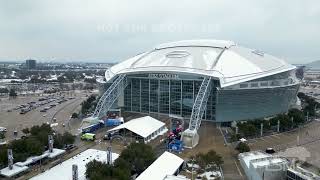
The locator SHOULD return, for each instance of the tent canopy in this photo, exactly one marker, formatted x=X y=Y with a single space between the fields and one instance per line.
x=166 y=164
x=143 y=126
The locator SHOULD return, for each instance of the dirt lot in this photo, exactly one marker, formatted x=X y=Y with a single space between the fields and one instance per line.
x=211 y=138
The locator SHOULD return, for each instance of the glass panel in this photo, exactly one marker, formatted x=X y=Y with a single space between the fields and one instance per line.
x=187 y=98
x=154 y=93
x=136 y=95
x=175 y=97
x=127 y=97
x=144 y=95
x=164 y=96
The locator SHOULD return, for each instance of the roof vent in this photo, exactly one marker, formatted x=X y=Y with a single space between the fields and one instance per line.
x=258 y=52
x=177 y=54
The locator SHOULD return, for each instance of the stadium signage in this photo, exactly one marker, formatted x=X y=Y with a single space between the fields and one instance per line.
x=163 y=76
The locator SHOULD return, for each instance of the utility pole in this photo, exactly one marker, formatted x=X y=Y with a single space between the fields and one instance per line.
x=10 y=159
x=109 y=155
x=261 y=129
x=50 y=143
x=298 y=137
x=278 y=127
x=75 y=172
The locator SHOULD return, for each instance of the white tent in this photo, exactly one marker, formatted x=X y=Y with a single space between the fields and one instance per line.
x=166 y=164
x=63 y=171
x=147 y=127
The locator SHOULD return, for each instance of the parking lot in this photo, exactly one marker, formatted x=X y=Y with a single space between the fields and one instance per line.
x=307 y=136
x=57 y=110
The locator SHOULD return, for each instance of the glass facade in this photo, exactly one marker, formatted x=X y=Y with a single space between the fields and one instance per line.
x=175 y=94
x=166 y=96
x=245 y=104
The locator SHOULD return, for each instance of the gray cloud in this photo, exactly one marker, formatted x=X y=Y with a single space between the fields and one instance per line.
x=116 y=29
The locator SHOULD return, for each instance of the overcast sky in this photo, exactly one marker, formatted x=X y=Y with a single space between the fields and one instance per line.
x=113 y=30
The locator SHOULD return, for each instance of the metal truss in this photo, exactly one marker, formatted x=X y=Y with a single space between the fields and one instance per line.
x=200 y=104
x=110 y=96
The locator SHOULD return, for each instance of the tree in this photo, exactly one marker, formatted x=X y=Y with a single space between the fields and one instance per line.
x=2 y=136
x=96 y=170
x=88 y=105
x=201 y=161
x=61 y=140
x=3 y=156
x=247 y=129
x=285 y=121
x=243 y=147
x=297 y=115
x=26 y=130
x=138 y=155
x=74 y=115
x=210 y=160
x=12 y=93
x=24 y=148
x=213 y=158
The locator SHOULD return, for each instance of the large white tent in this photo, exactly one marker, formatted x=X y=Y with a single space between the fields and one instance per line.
x=147 y=127
x=63 y=171
x=166 y=164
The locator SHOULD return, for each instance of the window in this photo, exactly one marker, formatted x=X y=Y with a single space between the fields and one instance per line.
x=243 y=85
x=264 y=84
x=254 y=85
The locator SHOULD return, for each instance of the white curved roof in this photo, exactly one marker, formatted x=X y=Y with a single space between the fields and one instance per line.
x=224 y=60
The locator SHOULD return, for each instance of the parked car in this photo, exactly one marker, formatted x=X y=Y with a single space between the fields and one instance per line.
x=270 y=150
x=69 y=147
x=107 y=136
x=3 y=129
x=88 y=137
x=24 y=136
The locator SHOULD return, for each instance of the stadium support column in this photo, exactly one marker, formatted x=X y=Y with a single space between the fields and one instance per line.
x=190 y=136
x=110 y=96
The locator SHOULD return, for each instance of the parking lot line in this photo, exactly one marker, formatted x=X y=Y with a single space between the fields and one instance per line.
x=238 y=168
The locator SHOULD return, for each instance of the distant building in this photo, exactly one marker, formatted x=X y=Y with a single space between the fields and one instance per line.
x=31 y=64
x=300 y=173
x=262 y=166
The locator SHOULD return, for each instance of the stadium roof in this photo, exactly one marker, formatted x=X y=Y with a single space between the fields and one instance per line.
x=166 y=164
x=143 y=126
x=224 y=60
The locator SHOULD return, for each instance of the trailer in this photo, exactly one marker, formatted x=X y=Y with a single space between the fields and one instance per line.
x=113 y=122
x=92 y=128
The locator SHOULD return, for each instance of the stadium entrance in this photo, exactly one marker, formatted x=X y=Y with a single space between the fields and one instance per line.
x=166 y=94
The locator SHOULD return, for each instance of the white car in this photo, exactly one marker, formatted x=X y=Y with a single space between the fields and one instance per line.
x=3 y=129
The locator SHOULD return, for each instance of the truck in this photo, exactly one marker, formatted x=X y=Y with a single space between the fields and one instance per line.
x=92 y=128
x=113 y=122
x=88 y=136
